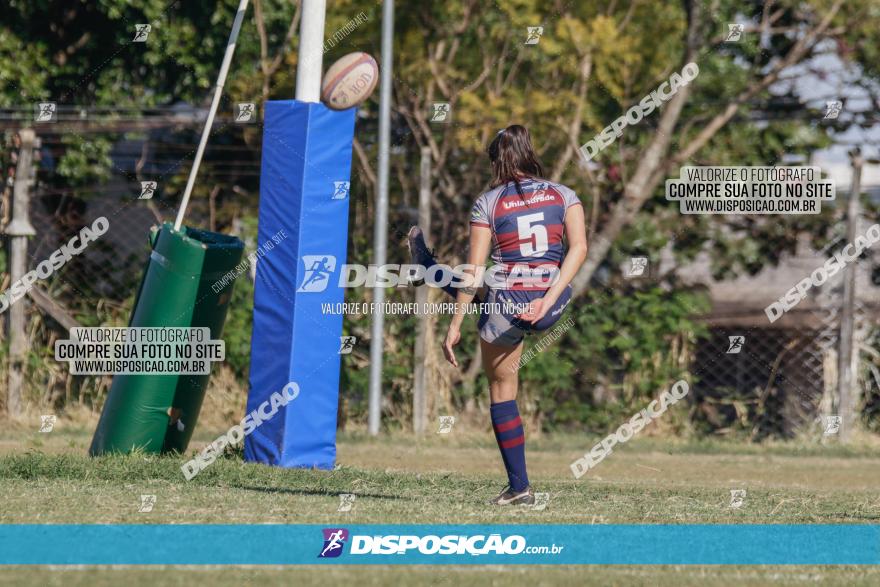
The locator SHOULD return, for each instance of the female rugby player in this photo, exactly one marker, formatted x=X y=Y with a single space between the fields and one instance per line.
x=522 y=220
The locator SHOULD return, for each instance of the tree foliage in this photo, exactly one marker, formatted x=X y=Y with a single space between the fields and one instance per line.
x=593 y=61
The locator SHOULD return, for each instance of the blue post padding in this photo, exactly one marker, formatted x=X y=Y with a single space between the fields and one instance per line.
x=304 y=192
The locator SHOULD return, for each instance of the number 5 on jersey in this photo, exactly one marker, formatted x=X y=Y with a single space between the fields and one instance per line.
x=532 y=230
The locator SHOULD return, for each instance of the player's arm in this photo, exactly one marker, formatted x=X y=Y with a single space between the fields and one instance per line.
x=576 y=237
x=480 y=243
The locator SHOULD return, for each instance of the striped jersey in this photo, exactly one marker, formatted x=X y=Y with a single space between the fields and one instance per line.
x=527 y=231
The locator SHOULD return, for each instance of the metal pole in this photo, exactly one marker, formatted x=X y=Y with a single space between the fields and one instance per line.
x=380 y=233
x=311 y=51
x=846 y=377
x=19 y=229
x=425 y=323
x=206 y=132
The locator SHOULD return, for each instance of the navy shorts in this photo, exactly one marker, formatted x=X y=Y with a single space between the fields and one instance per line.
x=498 y=323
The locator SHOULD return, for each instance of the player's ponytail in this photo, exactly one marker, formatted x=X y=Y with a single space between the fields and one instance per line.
x=513 y=156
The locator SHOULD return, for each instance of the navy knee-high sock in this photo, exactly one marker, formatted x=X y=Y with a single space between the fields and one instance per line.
x=511 y=441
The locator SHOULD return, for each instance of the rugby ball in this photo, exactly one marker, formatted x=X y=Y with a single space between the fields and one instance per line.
x=349 y=81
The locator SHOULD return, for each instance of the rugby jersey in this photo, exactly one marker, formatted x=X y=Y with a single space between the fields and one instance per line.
x=527 y=230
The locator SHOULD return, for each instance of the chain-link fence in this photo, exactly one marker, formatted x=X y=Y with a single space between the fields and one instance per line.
x=771 y=379
x=96 y=284
x=750 y=375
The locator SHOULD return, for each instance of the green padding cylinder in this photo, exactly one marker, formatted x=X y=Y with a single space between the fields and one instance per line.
x=157 y=413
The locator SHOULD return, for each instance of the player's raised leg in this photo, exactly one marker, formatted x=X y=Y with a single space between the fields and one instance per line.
x=420 y=254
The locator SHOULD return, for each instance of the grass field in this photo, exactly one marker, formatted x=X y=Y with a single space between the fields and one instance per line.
x=46 y=478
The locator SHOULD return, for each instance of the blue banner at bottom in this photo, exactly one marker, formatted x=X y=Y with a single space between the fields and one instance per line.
x=450 y=544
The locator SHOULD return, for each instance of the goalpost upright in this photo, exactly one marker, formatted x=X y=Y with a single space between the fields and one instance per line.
x=304 y=193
